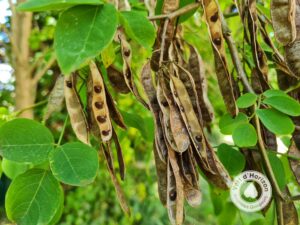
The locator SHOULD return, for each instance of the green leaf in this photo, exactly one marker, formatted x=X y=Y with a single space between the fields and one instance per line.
x=284 y=104
x=13 y=169
x=227 y=124
x=138 y=27
x=232 y=159
x=24 y=140
x=33 y=198
x=245 y=135
x=278 y=169
x=144 y=125
x=228 y=214
x=74 y=163
x=275 y=121
x=82 y=32
x=246 y=100
x=45 y=5
x=272 y=93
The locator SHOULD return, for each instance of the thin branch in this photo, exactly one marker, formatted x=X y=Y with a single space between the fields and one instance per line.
x=176 y=13
x=42 y=71
x=163 y=41
x=293 y=88
x=19 y=112
x=265 y=159
x=234 y=52
x=62 y=131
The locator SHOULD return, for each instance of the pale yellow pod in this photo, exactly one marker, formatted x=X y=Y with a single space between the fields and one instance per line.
x=76 y=113
x=99 y=104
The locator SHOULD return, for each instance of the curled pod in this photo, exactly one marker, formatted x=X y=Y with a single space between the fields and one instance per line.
x=161 y=172
x=121 y=161
x=189 y=117
x=216 y=34
x=196 y=67
x=75 y=110
x=164 y=106
x=117 y=80
x=175 y=200
x=192 y=191
x=178 y=129
x=113 y=110
x=127 y=72
x=56 y=98
x=99 y=104
x=283 y=20
x=147 y=82
x=120 y=194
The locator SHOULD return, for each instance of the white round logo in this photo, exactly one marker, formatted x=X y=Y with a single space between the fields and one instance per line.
x=251 y=191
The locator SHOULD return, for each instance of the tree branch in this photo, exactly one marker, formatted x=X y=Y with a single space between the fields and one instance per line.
x=176 y=13
x=40 y=73
x=234 y=52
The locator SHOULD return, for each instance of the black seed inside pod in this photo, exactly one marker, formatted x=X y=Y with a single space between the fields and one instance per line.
x=101 y=119
x=217 y=41
x=215 y=17
x=105 y=132
x=173 y=195
x=69 y=84
x=198 y=138
x=127 y=52
x=97 y=89
x=164 y=103
x=99 y=105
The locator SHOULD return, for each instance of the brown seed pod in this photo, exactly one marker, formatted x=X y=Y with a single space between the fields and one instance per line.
x=147 y=82
x=56 y=98
x=119 y=191
x=163 y=103
x=128 y=76
x=117 y=80
x=292 y=54
x=75 y=110
x=192 y=191
x=99 y=104
x=196 y=67
x=189 y=116
x=161 y=172
x=175 y=200
x=295 y=164
x=216 y=34
x=119 y=154
x=177 y=126
x=114 y=112
x=283 y=19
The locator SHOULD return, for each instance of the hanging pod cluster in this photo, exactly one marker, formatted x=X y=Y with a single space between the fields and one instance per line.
x=97 y=119
x=177 y=98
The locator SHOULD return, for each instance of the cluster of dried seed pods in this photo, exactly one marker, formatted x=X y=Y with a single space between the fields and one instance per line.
x=101 y=111
x=178 y=100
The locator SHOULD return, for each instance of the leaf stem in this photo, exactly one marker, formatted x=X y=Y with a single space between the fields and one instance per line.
x=17 y=113
x=63 y=131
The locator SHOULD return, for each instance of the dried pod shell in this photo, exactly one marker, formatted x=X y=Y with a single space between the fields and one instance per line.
x=161 y=172
x=119 y=154
x=175 y=200
x=99 y=104
x=128 y=76
x=119 y=191
x=189 y=116
x=147 y=82
x=216 y=34
x=75 y=110
x=283 y=19
x=295 y=164
x=56 y=98
x=117 y=80
x=179 y=132
x=292 y=55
